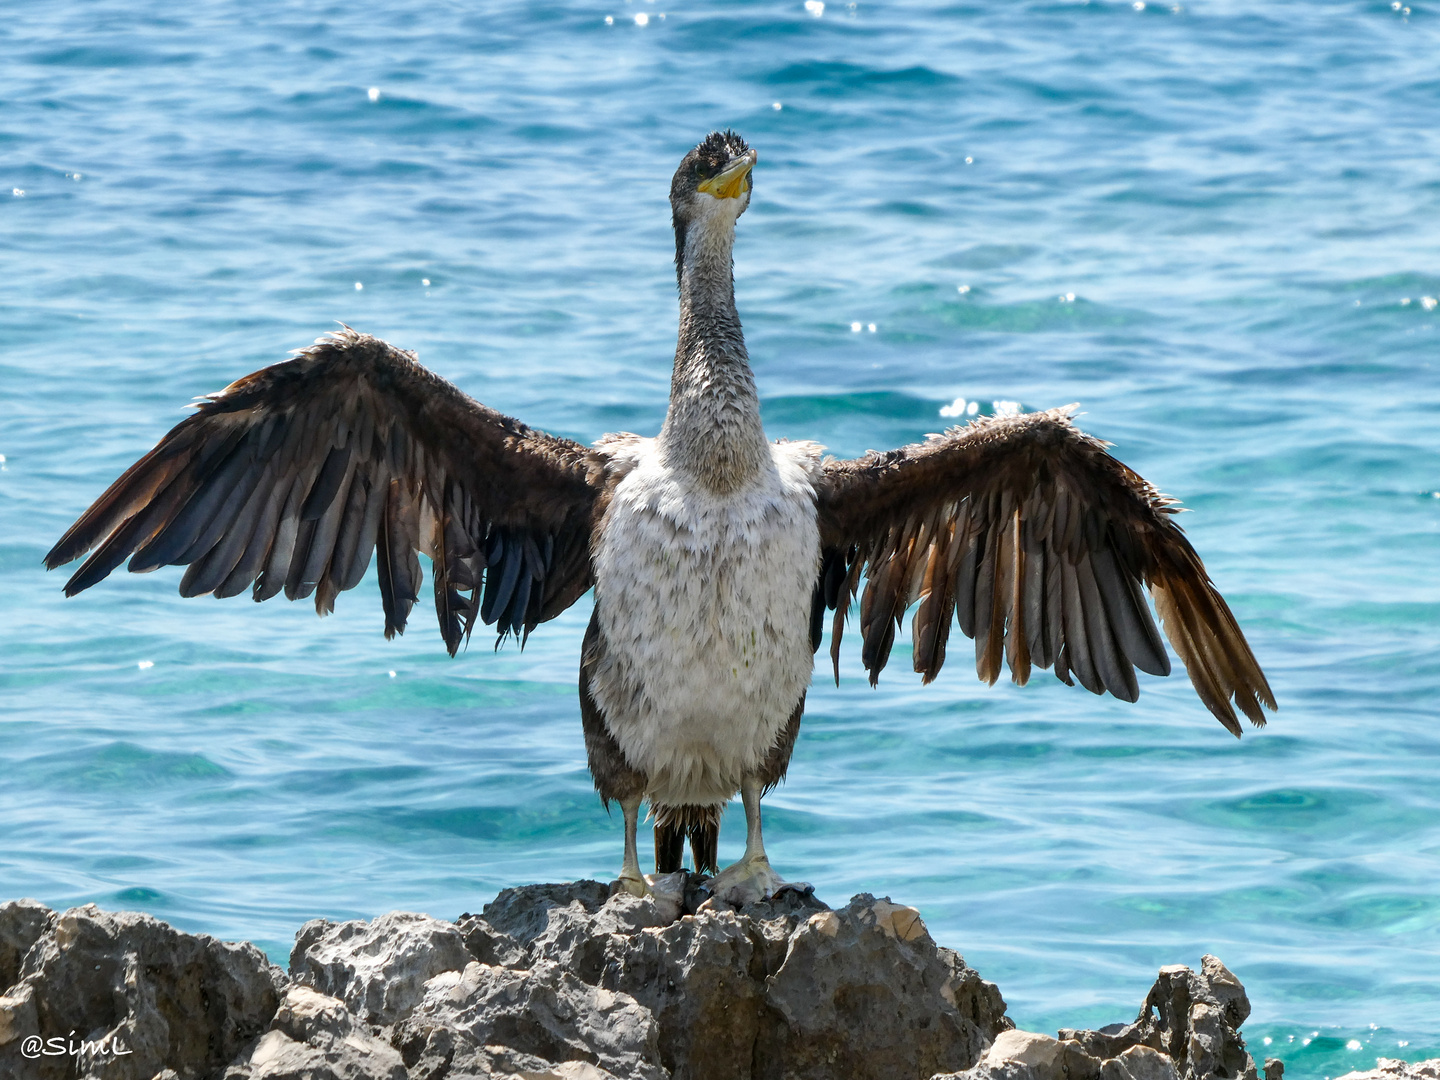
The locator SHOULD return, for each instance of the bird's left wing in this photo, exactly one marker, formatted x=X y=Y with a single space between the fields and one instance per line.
x=1038 y=541
x=290 y=479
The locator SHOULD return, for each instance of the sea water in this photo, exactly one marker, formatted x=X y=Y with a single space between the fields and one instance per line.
x=1213 y=224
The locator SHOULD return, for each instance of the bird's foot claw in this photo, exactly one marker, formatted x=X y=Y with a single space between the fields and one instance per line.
x=633 y=884
x=746 y=882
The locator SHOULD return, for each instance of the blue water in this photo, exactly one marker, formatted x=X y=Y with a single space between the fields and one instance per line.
x=1215 y=225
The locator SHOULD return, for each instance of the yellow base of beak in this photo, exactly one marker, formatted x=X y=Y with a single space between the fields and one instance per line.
x=733 y=180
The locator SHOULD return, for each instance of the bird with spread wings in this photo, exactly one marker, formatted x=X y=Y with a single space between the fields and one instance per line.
x=1022 y=529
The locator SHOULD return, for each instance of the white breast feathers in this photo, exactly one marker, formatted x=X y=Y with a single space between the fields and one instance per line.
x=704 y=603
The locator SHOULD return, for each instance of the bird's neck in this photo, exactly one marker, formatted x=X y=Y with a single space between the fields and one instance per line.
x=712 y=430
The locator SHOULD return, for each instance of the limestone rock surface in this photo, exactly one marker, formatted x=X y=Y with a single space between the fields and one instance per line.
x=787 y=988
x=123 y=996
x=544 y=1012
x=566 y=982
x=1188 y=1029
x=314 y=1037
x=1395 y=1069
x=378 y=969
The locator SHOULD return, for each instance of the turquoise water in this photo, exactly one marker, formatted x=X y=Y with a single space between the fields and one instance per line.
x=1238 y=205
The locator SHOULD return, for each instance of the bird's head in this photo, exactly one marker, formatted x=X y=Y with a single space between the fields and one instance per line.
x=711 y=188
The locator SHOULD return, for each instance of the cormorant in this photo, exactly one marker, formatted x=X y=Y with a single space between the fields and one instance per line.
x=714 y=553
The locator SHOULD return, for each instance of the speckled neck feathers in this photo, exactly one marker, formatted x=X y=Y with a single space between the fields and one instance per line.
x=712 y=430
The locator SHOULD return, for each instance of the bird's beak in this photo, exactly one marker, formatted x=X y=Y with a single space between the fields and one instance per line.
x=732 y=180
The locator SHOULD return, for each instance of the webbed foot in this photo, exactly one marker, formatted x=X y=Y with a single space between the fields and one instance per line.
x=746 y=881
x=634 y=884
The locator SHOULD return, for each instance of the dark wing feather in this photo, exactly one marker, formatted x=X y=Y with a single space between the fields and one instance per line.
x=1039 y=543
x=292 y=478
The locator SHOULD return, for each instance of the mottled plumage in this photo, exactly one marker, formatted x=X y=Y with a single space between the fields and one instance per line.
x=714 y=554
x=288 y=480
x=1039 y=542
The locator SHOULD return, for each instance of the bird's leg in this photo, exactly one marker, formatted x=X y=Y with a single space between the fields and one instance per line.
x=631 y=880
x=751 y=878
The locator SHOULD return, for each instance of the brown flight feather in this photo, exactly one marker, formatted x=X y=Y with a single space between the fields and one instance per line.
x=1039 y=542
x=291 y=477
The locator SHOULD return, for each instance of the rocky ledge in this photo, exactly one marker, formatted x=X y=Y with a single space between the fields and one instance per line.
x=566 y=981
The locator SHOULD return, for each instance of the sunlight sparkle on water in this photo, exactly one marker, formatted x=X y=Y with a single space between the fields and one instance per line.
x=373 y=93
x=145 y=665
x=960 y=407
x=815 y=7
x=642 y=19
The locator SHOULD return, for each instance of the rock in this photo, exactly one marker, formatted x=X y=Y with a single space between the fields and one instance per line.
x=523 y=913
x=1395 y=1069
x=974 y=998
x=488 y=945
x=1139 y=1063
x=550 y=974
x=703 y=979
x=545 y=1012
x=566 y=982
x=1024 y=1053
x=314 y=1037
x=579 y=941
x=22 y=924
x=139 y=995
x=1028 y=1055
x=1188 y=1029
x=786 y=988
x=379 y=969
x=1193 y=1019
x=1025 y=1048
x=439 y=1054
x=573 y=1070
x=867 y=987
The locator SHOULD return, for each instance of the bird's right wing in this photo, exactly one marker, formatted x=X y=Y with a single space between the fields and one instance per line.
x=1038 y=543
x=290 y=478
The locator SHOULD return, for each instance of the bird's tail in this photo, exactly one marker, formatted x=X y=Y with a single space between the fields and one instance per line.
x=673 y=824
